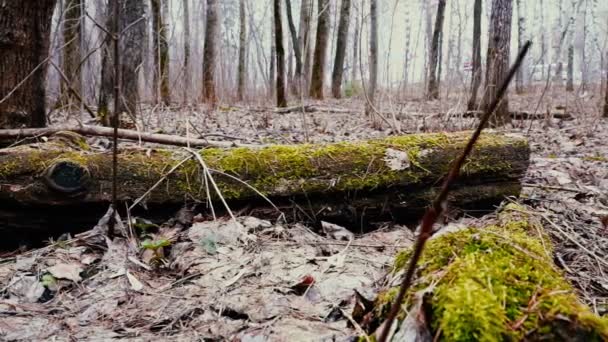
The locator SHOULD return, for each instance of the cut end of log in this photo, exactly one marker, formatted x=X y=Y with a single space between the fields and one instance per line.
x=67 y=177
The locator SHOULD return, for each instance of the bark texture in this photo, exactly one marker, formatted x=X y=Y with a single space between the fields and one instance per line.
x=521 y=33
x=25 y=28
x=497 y=63
x=242 y=67
x=131 y=51
x=187 y=51
x=280 y=55
x=320 y=56
x=476 y=62
x=432 y=92
x=305 y=42
x=336 y=79
x=212 y=32
x=72 y=52
x=373 y=57
x=161 y=50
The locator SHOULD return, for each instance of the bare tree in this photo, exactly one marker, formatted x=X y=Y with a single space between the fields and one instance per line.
x=355 y=69
x=160 y=9
x=242 y=67
x=210 y=52
x=476 y=63
x=187 y=50
x=131 y=49
x=336 y=79
x=497 y=63
x=373 y=55
x=304 y=40
x=433 y=78
x=297 y=49
x=605 y=111
x=521 y=32
x=280 y=55
x=322 y=40
x=570 y=80
x=25 y=30
x=72 y=52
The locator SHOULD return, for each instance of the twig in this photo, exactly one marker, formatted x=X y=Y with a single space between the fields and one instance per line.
x=436 y=209
x=72 y=90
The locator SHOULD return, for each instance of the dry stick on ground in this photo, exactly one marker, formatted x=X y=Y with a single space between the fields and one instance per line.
x=128 y=134
x=436 y=209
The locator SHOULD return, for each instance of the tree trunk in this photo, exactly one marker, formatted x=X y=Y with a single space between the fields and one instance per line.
x=570 y=82
x=336 y=79
x=408 y=54
x=72 y=52
x=373 y=56
x=187 y=51
x=105 y=103
x=497 y=63
x=355 y=70
x=297 y=48
x=210 y=52
x=305 y=42
x=322 y=40
x=161 y=51
x=605 y=111
x=476 y=72
x=375 y=180
x=242 y=68
x=131 y=51
x=280 y=55
x=25 y=28
x=521 y=32
x=432 y=92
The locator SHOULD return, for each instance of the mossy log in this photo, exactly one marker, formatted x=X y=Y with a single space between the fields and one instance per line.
x=391 y=178
x=497 y=283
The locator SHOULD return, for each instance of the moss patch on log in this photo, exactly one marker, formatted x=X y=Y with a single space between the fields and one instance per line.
x=281 y=170
x=498 y=283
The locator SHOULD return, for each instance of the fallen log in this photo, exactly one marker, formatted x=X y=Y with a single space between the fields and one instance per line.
x=127 y=134
x=496 y=283
x=348 y=183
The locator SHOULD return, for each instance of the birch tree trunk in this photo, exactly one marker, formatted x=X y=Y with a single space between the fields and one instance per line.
x=242 y=67
x=497 y=64
x=322 y=40
x=25 y=28
x=476 y=72
x=280 y=55
x=336 y=79
x=210 y=52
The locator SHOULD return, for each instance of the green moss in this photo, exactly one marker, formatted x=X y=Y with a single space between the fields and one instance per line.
x=596 y=158
x=496 y=284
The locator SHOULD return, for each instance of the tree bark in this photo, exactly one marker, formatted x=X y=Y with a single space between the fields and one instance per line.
x=521 y=32
x=242 y=67
x=432 y=92
x=297 y=48
x=320 y=55
x=280 y=55
x=25 y=28
x=497 y=63
x=336 y=79
x=131 y=51
x=372 y=180
x=605 y=111
x=161 y=51
x=476 y=63
x=210 y=52
x=72 y=52
x=105 y=103
x=305 y=42
x=373 y=56
x=187 y=51
x=355 y=70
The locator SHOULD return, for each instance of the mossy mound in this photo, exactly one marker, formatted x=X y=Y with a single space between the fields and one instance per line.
x=497 y=284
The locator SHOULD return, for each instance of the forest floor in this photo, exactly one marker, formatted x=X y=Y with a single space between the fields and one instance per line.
x=259 y=281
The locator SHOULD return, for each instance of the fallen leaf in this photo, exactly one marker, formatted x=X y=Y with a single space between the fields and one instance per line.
x=135 y=283
x=66 y=271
